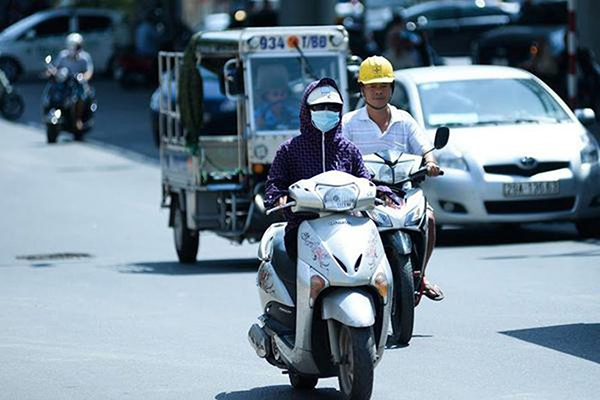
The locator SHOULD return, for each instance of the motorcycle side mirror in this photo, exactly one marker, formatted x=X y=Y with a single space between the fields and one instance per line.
x=442 y=134
x=233 y=79
x=352 y=67
x=586 y=116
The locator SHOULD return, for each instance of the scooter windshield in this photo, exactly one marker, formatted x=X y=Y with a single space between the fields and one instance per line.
x=279 y=84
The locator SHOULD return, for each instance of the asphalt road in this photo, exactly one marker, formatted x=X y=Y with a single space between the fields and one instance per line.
x=121 y=122
x=93 y=304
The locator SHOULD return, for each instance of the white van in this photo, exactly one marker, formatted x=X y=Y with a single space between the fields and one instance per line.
x=25 y=44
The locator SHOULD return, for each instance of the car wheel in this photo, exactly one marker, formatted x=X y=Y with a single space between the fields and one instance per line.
x=588 y=228
x=13 y=106
x=11 y=69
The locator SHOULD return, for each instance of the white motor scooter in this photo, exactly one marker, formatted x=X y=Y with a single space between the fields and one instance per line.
x=328 y=316
x=404 y=230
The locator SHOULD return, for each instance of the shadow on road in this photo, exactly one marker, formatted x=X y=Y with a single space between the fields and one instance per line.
x=199 y=268
x=486 y=235
x=579 y=340
x=281 y=393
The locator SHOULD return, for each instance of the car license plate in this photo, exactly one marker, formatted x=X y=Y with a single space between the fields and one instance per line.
x=520 y=189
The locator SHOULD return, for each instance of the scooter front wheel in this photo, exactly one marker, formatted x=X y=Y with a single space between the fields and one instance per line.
x=52 y=132
x=355 y=375
x=403 y=314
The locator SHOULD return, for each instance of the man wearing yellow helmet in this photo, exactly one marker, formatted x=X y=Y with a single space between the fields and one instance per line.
x=380 y=126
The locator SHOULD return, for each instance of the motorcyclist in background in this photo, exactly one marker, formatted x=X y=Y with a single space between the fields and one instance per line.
x=380 y=126
x=79 y=64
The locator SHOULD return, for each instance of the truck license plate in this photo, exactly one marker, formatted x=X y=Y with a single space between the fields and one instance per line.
x=520 y=189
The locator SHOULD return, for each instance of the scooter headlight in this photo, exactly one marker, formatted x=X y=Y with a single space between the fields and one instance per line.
x=414 y=216
x=338 y=198
x=385 y=174
x=380 y=218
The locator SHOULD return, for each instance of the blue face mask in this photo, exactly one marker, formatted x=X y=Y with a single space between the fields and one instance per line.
x=325 y=120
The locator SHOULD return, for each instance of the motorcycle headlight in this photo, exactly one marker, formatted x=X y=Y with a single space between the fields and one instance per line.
x=338 y=198
x=380 y=218
x=414 y=216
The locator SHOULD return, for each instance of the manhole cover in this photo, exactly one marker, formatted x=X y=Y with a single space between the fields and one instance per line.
x=54 y=256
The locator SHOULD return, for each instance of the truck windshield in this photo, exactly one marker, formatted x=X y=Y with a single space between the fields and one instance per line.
x=279 y=84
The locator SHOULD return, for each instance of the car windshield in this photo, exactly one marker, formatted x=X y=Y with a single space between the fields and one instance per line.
x=279 y=85
x=488 y=102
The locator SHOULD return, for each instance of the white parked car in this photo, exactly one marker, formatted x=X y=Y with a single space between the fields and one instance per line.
x=516 y=153
x=25 y=44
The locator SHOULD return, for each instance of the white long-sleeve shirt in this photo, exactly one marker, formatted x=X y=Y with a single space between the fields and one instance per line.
x=403 y=132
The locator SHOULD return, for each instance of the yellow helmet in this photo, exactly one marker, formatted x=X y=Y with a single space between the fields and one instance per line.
x=375 y=69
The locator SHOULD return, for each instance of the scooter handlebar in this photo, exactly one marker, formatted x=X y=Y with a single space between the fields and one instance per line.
x=281 y=207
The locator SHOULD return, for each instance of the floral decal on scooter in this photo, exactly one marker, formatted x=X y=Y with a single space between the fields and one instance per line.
x=372 y=253
x=319 y=253
x=265 y=279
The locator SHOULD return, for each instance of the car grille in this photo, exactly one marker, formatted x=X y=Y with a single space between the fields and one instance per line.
x=529 y=206
x=515 y=169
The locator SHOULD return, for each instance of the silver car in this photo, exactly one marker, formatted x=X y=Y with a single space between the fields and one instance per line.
x=25 y=44
x=516 y=152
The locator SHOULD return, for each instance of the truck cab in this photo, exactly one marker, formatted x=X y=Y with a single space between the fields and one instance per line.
x=213 y=180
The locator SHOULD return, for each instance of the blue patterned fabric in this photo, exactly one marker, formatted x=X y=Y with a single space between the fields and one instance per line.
x=302 y=157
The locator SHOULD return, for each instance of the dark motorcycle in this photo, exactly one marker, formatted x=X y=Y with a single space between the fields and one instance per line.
x=58 y=105
x=12 y=105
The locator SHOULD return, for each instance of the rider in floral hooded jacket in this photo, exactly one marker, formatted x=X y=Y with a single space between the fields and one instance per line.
x=312 y=152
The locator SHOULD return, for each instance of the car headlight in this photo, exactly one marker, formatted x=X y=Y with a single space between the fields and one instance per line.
x=589 y=151
x=338 y=198
x=452 y=161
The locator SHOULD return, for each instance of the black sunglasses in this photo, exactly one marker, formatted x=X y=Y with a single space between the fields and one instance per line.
x=326 y=106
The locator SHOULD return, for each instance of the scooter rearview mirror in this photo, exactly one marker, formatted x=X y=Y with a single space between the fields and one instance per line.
x=442 y=134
